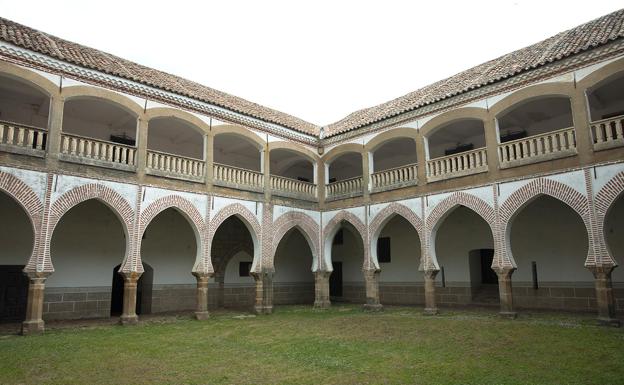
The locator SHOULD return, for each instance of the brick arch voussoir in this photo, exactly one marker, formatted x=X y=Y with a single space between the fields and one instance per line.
x=32 y=206
x=296 y=219
x=77 y=195
x=396 y=209
x=604 y=200
x=230 y=210
x=360 y=228
x=476 y=204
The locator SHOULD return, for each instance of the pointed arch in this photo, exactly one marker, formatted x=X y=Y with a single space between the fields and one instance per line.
x=303 y=222
x=604 y=200
x=384 y=216
x=32 y=206
x=250 y=221
x=193 y=217
x=117 y=203
x=330 y=230
x=519 y=199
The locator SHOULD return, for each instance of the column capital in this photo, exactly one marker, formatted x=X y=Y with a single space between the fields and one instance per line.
x=203 y=275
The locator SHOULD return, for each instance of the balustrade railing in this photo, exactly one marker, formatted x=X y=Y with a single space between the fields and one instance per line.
x=537 y=148
x=608 y=133
x=238 y=177
x=175 y=166
x=97 y=152
x=394 y=177
x=344 y=188
x=456 y=165
x=292 y=188
x=22 y=139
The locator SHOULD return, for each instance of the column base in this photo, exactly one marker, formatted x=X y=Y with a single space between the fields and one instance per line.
x=32 y=327
x=263 y=309
x=508 y=314
x=202 y=315
x=612 y=322
x=431 y=311
x=322 y=304
x=372 y=307
x=129 y=320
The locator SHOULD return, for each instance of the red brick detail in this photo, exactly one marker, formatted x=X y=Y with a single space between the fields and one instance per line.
x=117 y=203
x=532 y=190
x=476 y=204
x=33 y=208
x=301 y=221
x=394 y=208
x=242 y=213
x=608 y=194
x=334 y=224
x=192 y=215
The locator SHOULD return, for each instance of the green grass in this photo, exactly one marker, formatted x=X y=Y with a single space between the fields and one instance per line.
x=344 y=345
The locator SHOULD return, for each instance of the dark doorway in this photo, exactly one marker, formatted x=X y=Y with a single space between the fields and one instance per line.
x=335 y=280
x=144 y=291
x=488 y=276
x=13 y=293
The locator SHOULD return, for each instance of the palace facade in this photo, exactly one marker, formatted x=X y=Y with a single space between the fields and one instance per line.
x=127 y=191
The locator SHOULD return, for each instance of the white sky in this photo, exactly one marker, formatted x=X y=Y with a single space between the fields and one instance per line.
x=318 y=60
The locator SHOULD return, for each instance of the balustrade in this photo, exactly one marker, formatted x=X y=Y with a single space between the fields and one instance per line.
x=23 y=139
x=537 y=148
x=456 y=165
x=292 y=188
x=608 y=133
x=344 y=188
x=97 y=152
x=238 y=177
x=175 y=166
x=394 y=177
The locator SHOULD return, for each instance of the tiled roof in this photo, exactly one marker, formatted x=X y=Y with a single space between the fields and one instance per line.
x=584 y=37
x=61 y=49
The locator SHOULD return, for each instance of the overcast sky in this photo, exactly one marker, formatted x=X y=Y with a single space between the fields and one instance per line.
x=318 y=60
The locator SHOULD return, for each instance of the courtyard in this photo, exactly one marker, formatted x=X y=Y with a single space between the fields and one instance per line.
x=300 y=345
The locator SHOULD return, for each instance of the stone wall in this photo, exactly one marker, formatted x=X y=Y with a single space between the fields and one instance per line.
x=76 y=302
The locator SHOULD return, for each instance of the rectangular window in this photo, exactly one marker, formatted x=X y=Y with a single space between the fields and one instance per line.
x=244 y=268
x=383 y=250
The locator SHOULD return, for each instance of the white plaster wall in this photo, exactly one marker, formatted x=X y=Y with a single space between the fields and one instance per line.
x=16 y=234
x=231 y=270
x=87 y=244
x=35 y=180
x=552 y=234
x=462 y=231
x=293 y=259
x=614 y=234
x=350 y=253
x=170 y=248
x=404 y=252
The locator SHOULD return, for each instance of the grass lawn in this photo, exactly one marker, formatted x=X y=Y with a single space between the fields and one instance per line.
x=344 y=345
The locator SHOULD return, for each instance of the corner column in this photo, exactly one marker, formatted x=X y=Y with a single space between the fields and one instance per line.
x=128 y=315
x=201 y=309
x=264 y=292
x=365 y=175
x=505 y=292
x=141 y=143
x=604 y=295
x=321 y=289
x=430 y=299
x=34 y=324
x=371 y=279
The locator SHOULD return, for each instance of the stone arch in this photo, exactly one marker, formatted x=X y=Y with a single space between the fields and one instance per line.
x=444 y=209
x=193 y=217
x=75 y=92
x=335 y=152
x=601 y=74
x=281 y=145
x=39 y=82
x=562 y=89
x=250 y=221
x=604 y=200
x=330 y=230
x=384 y=216
x=118 y=205
x=32 y=206
x=448 y=117
x=520 y=198
x=308 y=227
x=394 y=133
x=168 y=112
x=241 y=132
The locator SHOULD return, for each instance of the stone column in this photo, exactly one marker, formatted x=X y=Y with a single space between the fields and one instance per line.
x=128 y=315
x=209 y=151
x=33 y=324
x=55 y=127
x=264 y=292
x=141 y=143
x=604 y=295
x=371 y=279
x=321 y=289
x=421 y=159
x=201 y=309
x=505 y=292
x=491 y=144
x=582 y=130
x=365 y=175
x=430 y=299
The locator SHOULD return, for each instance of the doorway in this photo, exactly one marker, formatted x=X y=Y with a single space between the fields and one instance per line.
x=335 y=281
x=13 y=293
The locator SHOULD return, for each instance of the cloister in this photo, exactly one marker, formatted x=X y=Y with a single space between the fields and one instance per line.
x=127 y=191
